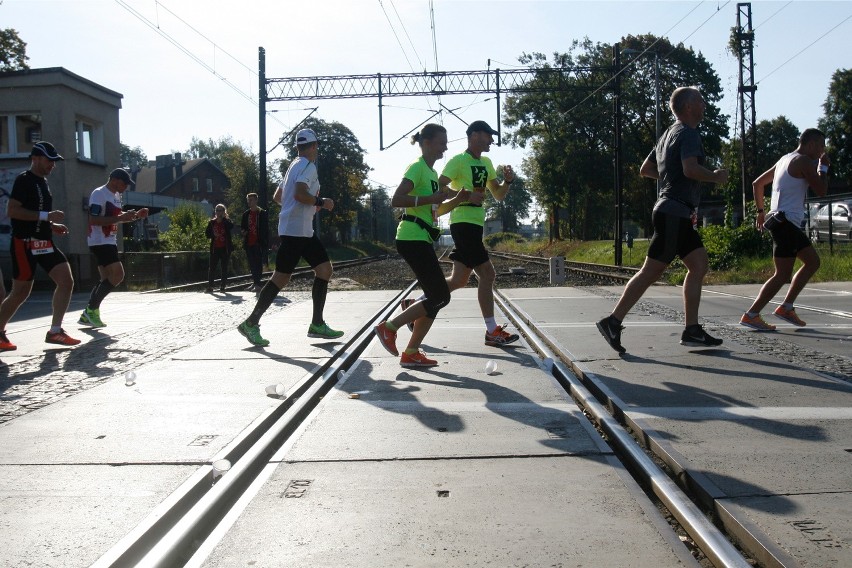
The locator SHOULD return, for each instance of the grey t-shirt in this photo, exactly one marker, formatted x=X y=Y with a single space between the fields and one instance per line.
x=679 y=195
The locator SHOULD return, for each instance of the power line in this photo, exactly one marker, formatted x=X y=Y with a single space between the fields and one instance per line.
x=718 y=9
x=414 y=49
x=805 y=48
x=393 y=29
x=773 y=15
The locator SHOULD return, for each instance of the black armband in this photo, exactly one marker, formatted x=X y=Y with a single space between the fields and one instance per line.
x=319 y=201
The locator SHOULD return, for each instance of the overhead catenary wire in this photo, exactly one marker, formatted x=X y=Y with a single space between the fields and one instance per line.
x=395 y=35
x=798 y=53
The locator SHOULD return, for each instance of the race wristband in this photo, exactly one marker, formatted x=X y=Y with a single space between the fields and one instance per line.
x=319 y=201
x=42 y=215
x=416 y=199
x=823 y=169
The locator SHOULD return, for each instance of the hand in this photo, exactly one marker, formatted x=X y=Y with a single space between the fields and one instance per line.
x=327 y=203
x=439 y=196
x=127 y=216
x=508 y=174
x=56 y=216
x=142 y=213
x=721 y=176
x=758 y=222
x=59 y=229
x=824 y=160
x=476 y=197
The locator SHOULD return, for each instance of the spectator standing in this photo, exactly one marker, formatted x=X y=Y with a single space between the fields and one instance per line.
x=255 y=229
x=221 y=245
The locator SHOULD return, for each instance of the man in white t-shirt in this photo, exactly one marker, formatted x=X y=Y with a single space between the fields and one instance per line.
x=299 y=198
x=105 y=214
x=806 y=166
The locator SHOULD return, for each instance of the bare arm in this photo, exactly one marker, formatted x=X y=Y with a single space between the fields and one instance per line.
x=276 y=197
x=649 y=169
x=693 y=170
x=302 y=195
x=16 y=210
x=458 y=197
x=499 y=190
x=125 y=217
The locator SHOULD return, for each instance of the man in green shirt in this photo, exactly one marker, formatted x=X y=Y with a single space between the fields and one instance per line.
x=474 y=172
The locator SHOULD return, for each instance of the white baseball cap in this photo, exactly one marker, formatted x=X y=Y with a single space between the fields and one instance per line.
x=306 y=136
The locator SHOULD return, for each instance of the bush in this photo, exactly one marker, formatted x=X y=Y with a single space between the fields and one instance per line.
x=496 y=238
x=726 y=246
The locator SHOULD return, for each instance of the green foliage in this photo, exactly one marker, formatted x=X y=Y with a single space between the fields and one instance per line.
x=515 y=206
x=132 y=158
x=569 y=129
x=13 y=51
x=187 y=223
x=727 y=246
x=837 y=124
x=495 y=239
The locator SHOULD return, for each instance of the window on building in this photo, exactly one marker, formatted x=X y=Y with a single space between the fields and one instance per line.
x=18 y=132
x=90 y=140
x=209 y=185
x=194 y=185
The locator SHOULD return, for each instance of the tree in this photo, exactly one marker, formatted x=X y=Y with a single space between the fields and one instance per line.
x=342 y=174
x=837 y=124
x=133 y=158
x=570 y=128
x=513 y=208
x=187 y=223
x=13 y=51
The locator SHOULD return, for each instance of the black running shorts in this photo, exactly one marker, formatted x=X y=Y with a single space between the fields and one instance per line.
x=469 y=248
x=423 y=261
x=673 y=236
x=788 y=240
x=24 y=261
x=105 y=254
x=293 y=249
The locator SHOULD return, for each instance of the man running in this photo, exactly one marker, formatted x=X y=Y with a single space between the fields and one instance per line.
x=806 y=166
x=34 y=223
x=474 y=172
x=105 y=215
x=299 y=200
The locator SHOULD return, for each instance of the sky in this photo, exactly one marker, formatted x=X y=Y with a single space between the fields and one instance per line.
x=188 y=68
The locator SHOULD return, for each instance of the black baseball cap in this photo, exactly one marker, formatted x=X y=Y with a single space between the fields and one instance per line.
x=47 y=150
x=122 y=175
x=480 y=126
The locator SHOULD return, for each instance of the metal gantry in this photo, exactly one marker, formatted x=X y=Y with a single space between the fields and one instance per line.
x=748 y=115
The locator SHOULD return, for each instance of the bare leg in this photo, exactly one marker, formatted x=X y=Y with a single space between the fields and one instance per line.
x=810 y=264
x=20 y=292
x=485 y=292
x=61 y=274
x=696 y=265
x=636 y=287
x=783 y=270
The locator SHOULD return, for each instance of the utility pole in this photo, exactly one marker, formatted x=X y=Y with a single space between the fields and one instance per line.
x=619 y=221
x=261 y=105
x=747 y=88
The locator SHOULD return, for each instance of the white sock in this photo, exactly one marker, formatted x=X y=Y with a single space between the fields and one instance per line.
x=490 y=324
x=55 y=329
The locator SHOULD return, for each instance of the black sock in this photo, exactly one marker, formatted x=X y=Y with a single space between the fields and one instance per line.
x=319 y=291
x=264 y=300
x=99 y=293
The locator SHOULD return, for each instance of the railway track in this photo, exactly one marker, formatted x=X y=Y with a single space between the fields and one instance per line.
x=185 y=528
x=599 y=273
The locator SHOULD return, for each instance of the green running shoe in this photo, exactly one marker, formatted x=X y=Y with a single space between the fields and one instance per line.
x=323 y=331
x=91 y=318
x=252 y=333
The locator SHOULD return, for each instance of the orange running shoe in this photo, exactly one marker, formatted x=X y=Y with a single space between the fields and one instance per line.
x=756 y=322
x=387 y=338
x=5 y=344
x=789 y=315
x=60 y=338
x=418 y=359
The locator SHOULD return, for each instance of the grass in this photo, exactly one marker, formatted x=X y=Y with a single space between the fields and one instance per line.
x=835 y=267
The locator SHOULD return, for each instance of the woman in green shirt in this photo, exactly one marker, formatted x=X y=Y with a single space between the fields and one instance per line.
x=420 y=194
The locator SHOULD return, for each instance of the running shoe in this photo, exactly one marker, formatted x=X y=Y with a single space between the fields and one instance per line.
x=208 y=290
x=387 y=338
x=5 y=344
x=405 y=304
x=323 y=331
x=60 y=338
x=695 y=336
x=418 y=359
x=252 y=333
x=756 y=322
x=612 y=333
x=500 y=337
x=789 y=316
x=91 y=318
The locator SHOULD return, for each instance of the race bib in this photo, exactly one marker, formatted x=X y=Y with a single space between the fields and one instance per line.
x=38 y=246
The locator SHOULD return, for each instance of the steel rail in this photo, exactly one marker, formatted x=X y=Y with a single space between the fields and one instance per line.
x=169 y=534
x=712 y=542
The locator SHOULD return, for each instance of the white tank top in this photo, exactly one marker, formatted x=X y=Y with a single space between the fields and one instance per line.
x=788 y=192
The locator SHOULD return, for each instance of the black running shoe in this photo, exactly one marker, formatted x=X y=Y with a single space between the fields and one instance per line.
x=695 y=336
x=612 y=333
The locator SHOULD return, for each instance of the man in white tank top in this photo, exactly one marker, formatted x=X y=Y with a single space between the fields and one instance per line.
x=791 y=176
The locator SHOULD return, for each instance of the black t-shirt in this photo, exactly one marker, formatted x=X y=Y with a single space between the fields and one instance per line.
x=675 y=145
x=33 y=194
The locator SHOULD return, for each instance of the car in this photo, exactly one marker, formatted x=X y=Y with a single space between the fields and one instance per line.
x=841 y=222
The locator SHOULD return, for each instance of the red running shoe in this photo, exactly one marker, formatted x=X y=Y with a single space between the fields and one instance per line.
x=500 y=337
x=60 y=338
x=5 y=344
x=418 y=359
x=387 y=338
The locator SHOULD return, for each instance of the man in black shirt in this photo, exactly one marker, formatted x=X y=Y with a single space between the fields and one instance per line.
x=34 y=223
x=678 y=162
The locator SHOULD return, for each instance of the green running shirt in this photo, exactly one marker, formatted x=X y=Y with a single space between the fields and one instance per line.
x=467 y=172
x=425 y=181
